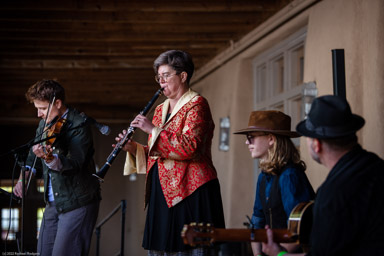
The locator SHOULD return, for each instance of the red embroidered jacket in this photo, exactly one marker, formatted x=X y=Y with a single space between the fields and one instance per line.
x=181 y=147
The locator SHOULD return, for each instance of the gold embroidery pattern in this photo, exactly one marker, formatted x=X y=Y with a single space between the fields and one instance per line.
x=184 y=150
x=169 y=164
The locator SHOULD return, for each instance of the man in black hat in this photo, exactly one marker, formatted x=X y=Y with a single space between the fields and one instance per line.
x=348 y=217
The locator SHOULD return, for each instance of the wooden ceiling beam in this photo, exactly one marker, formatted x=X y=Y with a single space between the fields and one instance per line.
x=93 y=49
x=75 y=63
x=148 y=5
x=129 y=18
x=144 y=48
x=122 y=61
x=39 y=62
x=158 y=37
x=80 y=26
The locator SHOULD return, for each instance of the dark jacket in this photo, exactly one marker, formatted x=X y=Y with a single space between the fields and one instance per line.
x=73 y=186
x=349 y=207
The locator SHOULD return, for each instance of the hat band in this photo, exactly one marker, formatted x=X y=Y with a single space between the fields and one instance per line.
x=265 y=128
x=325 y=130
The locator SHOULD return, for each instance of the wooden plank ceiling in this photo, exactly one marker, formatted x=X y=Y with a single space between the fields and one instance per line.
x=102 y=51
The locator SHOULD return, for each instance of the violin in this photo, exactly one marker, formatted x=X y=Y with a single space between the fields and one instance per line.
x=52 y=131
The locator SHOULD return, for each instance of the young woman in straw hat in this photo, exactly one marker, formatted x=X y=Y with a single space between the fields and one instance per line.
x=282 y=183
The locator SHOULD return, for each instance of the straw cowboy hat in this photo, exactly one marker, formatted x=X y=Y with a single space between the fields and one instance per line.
x=330 y=117
x=270 y=121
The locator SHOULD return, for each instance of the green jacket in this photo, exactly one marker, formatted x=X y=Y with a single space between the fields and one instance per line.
x=73 y=186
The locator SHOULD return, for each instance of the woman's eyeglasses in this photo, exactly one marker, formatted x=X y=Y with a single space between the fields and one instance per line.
x=164 y=77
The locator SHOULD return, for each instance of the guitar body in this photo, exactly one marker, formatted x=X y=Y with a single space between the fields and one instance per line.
x=299 y=228
x=300 y=221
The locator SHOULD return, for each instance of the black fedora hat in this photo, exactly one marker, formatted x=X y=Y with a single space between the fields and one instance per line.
x=330 y=117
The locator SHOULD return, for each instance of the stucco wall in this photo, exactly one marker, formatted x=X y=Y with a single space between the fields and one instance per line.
x=352 y=25
x=356 y=27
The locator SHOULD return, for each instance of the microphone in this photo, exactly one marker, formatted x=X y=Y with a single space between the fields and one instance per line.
x=103 y=129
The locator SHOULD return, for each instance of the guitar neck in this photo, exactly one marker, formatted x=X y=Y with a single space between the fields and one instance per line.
x=299 y=228
x=251 y=235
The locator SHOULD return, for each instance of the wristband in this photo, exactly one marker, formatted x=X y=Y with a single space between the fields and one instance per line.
x=20 y=180
x=282 y=253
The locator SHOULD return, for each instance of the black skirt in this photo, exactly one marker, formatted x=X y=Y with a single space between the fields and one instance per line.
x=163 y=225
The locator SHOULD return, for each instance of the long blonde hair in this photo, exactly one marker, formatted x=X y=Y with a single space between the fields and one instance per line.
x=280 y=154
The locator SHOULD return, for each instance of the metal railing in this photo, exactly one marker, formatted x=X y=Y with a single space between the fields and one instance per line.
x=122 y=206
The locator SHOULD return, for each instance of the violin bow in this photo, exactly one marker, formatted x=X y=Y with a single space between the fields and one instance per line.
x=41 y=136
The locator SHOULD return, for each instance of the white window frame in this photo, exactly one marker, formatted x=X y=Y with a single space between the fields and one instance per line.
x=291 y=93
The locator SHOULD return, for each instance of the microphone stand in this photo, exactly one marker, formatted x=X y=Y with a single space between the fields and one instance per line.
x=22 y=150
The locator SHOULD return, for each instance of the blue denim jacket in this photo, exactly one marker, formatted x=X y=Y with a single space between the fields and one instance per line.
x=294 y=186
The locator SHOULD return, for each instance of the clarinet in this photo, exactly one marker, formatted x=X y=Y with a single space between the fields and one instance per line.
x=103 y=171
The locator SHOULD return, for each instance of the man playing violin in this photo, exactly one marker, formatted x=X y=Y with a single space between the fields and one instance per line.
x=71 y=194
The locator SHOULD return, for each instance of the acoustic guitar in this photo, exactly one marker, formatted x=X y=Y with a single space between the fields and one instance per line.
x=299 y=228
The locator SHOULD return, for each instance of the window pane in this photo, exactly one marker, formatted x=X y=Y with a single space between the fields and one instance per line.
x=278 y=76
x=279 y=107
x=7 y=188
x=40 y=185
x=40 y=188
x=297 y=66
x=261 y=83
x=9 y=220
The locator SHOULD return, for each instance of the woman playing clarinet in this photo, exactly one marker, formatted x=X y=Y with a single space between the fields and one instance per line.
x=181 y=184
